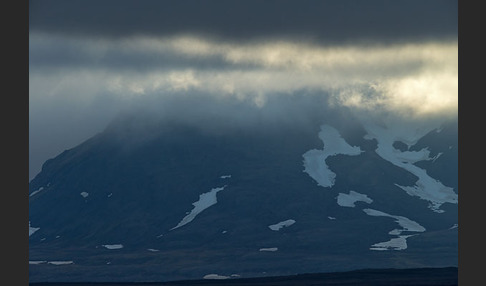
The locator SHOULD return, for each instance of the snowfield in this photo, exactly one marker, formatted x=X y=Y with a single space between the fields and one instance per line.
x=407 y=224
x=112 y=246
x=349 y=200
x=205 y=201
x=37 y=191
x=60 y=262
x=34 y=262
x=426 y=188
x=278 y=226
x=315 y=160
x=215 y=276
x=32 y=229
x=400 y=242
x=271 y=249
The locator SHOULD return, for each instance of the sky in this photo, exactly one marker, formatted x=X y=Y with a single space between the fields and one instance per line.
x=92 y=60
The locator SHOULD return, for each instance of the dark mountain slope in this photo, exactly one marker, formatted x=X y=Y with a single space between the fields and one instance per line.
x=132 y=184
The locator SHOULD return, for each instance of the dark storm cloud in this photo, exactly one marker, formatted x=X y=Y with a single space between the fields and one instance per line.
x=322 y=20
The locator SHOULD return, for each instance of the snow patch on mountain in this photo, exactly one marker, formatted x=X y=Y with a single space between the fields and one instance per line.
x=271 y=249
x=315 y=160
x=400 y=242
x=426 y=188
x=225 y=176
x=84 y=194
x=205 y=201
x=36 y=191
x=32 y=229
x=112 y=246
x=407 y=224
x=278 y=226
x=61 y=262
x=215 y=276
x=35 y=262
x=349 y=200
x=58 y=262
x=436 y=156
x=397 y=243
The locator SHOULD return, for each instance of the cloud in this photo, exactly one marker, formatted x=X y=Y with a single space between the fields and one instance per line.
x=77 y=84
x=418 y=78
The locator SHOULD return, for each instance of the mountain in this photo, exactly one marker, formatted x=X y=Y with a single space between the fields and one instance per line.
x=154 y=200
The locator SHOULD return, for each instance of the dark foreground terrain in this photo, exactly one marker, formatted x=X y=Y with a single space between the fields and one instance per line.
x=376 y=277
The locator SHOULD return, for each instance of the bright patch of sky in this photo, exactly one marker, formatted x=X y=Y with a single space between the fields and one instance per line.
x=400 y=242
x=331 y=217
x=315 y=160
x=112 y=246
x=426 y=188
x=271 y=249
x=84 y=194
x=32 y=229
x=153 y=249
x=225 y=177
x=349 y=200
x=205 y=201
x=278 y=226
